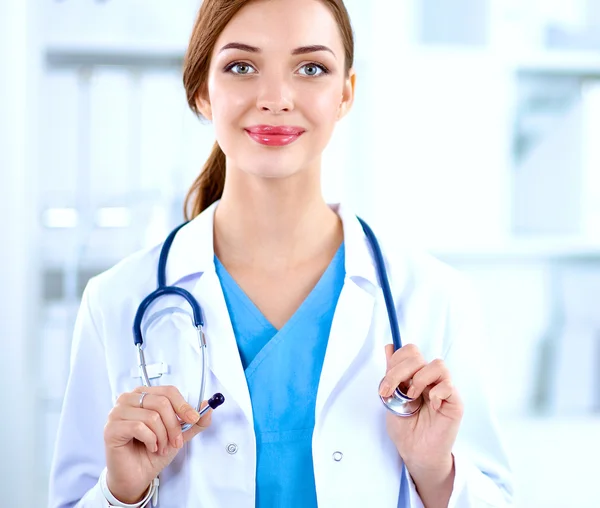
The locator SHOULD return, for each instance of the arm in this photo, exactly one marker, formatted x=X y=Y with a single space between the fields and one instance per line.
x=477 y=473
x=434 y=486
x=483 y=475
x=450 y=448
x=79 y=456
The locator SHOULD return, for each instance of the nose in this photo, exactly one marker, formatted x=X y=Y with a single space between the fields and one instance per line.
x=275 y=96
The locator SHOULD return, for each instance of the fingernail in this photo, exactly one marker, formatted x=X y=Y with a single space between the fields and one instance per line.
x=192 y=416
x=411 y=392
x=179 y=441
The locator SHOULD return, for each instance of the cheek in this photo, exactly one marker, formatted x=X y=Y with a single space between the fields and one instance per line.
x=322 y=115
x=322 y=108
x=227 y=109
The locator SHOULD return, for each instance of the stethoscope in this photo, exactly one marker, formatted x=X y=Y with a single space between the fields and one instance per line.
x=398 y=403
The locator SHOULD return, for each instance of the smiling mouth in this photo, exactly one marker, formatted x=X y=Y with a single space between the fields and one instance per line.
x=274 y=135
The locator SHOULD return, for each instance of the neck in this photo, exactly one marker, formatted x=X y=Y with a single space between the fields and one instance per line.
x=275 y=224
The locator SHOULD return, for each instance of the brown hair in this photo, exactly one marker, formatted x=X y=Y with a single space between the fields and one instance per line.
x=212 y=18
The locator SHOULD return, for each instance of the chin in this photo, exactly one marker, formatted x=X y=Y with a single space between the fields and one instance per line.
x=271 y=166
x=270 y=172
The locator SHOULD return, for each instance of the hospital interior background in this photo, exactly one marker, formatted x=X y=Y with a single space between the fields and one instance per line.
x=475 y=136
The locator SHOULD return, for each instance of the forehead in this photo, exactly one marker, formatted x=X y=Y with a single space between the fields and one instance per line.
x=283 y=25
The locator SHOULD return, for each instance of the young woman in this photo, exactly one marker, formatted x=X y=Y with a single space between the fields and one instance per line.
x=295 y=320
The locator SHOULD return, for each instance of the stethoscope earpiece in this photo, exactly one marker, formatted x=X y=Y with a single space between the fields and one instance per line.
x=213 y=403
x=216 y=400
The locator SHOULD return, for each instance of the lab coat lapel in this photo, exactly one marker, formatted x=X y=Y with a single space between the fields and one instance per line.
x=354 y=312
x=349 y=330
x=223 y=354
x=192 y=254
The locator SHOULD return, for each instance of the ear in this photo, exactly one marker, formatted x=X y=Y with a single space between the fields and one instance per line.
x=347 y=95
x=203 y=106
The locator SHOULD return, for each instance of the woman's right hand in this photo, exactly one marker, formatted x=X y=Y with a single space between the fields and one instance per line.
x=141 y=441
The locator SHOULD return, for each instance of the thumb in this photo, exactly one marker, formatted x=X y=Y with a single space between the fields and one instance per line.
x=202 y=424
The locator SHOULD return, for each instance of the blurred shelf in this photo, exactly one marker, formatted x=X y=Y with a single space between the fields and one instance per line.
x=146 y=56
x=541 y=249
x=580 y=64
x=53 y=277
x=561 y=63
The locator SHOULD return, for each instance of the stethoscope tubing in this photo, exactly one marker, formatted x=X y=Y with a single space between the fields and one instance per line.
x=399 y=403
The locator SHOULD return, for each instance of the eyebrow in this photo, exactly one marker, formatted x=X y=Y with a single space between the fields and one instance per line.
x=302 y=50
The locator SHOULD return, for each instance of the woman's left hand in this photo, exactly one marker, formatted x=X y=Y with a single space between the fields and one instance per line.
x=424 y=440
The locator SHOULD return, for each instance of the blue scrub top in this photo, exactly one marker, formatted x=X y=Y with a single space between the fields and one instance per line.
x=282 y=369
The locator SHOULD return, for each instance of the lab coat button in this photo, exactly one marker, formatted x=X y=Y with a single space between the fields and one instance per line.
x=232 y=448
x=337 y=456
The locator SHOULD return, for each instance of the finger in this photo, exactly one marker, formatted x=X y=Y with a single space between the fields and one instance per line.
x=120 y=432
x=152 y=420
x=389 y=352
x=181 y=407
x=443 y=392
x=200 y=425
x=430 y=375
x=400 y=375
x=163 y=406
x=400 y=355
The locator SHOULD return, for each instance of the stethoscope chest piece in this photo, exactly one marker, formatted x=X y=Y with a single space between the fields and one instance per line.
x=402 y=405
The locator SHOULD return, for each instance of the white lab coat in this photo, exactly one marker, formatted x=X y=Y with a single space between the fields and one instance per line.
x=435 y=311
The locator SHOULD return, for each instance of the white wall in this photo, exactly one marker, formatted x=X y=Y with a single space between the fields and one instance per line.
x=18 y=305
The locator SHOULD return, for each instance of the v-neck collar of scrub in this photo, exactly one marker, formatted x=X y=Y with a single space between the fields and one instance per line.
x=240 y=295
x=257 y=313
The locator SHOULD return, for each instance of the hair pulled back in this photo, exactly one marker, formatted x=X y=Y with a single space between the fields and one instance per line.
x=213 y=17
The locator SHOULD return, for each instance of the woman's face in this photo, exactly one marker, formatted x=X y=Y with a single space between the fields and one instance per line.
x=277 y=64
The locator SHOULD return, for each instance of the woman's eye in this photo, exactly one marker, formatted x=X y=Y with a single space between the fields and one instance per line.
x=244 y=69
x=313 y=70
x=241 y=68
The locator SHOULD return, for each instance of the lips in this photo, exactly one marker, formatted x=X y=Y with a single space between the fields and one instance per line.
x=275 y=130
x=274 y=135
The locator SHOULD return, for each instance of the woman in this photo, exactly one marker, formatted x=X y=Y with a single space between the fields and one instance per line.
x=297 y=330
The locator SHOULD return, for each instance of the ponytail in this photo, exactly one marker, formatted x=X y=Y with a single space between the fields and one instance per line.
x=208 y=187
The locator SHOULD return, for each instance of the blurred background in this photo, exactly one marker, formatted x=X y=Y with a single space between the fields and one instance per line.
x=474 y=135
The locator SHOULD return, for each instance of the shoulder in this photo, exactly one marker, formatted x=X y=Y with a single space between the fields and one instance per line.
x=129 y=280
x=420 y=283
x=435 y=302
x=415 y=270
